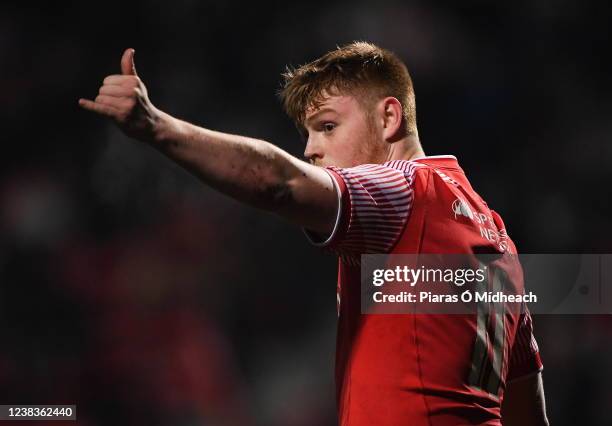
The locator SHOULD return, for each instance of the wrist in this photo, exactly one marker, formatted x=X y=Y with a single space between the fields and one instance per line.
x=163 y=128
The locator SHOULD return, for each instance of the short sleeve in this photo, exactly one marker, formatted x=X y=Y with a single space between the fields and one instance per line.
x=374 y=205
x=525 y=357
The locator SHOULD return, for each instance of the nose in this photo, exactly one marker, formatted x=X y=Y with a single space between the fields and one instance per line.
x=313 y=151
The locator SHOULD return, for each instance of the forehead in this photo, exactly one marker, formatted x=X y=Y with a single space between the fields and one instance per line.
x=339 y=104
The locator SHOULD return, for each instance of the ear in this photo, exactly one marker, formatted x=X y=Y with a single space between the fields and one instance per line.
x=392 y=115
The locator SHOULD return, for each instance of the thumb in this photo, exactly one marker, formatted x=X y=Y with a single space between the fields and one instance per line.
x=127 y=62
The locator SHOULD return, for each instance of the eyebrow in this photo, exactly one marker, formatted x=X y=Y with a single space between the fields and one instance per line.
x=319 y=112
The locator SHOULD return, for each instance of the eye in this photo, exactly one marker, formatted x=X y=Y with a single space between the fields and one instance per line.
x=328 y=127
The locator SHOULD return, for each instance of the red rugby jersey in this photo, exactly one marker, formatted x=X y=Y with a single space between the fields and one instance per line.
x=434 y=370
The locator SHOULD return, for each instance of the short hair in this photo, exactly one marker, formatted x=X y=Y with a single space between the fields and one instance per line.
x=361 y=69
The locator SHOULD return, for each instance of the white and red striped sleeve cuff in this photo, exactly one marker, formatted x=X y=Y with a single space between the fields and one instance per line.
x=374 y=205
x=525 y=358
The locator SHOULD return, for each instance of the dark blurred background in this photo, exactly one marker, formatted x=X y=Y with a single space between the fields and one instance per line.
x=131 y=290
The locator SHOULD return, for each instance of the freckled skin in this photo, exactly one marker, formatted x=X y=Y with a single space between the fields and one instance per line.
x=355 y=139
x=254 y=171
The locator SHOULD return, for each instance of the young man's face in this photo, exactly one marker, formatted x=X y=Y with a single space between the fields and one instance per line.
x=341 y=134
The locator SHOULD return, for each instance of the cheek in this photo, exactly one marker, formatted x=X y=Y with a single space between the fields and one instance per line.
x=343 y=141
x=345 y=152
x=358 y=141
x=349 y=146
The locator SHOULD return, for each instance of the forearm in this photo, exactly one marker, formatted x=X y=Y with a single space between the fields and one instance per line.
x=250 y=170
x=524 y=403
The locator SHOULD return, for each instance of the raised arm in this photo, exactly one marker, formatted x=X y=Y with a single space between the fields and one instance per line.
x=249 y=170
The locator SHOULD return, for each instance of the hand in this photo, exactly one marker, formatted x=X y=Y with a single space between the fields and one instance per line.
x=124 y=99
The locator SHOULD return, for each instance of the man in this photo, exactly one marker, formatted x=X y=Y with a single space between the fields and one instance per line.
x=369 y=188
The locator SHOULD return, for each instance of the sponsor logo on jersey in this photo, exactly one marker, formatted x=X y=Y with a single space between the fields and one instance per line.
x=461 y=208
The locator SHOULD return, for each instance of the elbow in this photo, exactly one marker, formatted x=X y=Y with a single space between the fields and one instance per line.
x=272 y=185
x=271 y=194
x=276 y=196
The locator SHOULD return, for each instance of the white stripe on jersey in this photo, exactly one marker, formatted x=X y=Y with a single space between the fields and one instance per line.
x=380 y=199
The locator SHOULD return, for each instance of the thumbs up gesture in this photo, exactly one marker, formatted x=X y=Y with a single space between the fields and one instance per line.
x=124 y=98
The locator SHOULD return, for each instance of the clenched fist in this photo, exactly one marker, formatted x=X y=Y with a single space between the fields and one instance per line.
x=124 y=99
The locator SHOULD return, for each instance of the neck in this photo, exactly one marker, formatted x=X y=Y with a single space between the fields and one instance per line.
x=408 y=148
